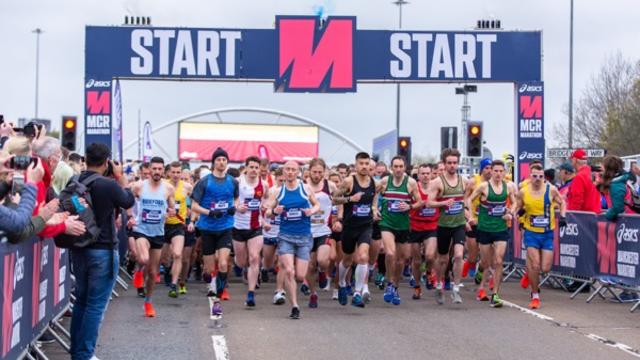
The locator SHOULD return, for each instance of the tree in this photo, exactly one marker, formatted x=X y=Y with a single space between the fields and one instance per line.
x=607 y=115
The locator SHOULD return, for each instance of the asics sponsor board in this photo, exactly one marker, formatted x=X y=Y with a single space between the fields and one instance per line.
x=278 y=143
x=530 y=125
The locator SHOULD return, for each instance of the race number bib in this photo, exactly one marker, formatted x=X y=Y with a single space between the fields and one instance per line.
x=497 y=211
x=361 y=210
x=318 y=218
x=334 y=210
x=454 y=209
x=427 y=212
x=275 y=220
x=252 y=204
x=177 y=205
x=150 y=216
x=220 y=205
x=540 y=221
x=294 y=214
x=394 y=206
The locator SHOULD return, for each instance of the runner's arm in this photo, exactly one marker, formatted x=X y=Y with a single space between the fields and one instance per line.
x=272 y=202
x=468 y=199
x=558 y=199
x=338 y=197
x=413 y=188
x=435 y=187
x=315 y=205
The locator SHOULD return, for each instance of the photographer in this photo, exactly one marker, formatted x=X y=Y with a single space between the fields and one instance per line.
x=14 y=220
x=96 y=266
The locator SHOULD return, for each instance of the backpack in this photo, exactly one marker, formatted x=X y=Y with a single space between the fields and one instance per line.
x=69 y=197
x=632 y=201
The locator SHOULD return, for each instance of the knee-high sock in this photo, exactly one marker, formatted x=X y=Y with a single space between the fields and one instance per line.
x=362 y=272
x=342 y=275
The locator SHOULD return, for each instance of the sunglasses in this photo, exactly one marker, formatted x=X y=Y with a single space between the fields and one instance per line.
x=537 y=176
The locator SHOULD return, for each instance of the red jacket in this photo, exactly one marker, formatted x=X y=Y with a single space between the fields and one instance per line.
x=583 y=195
x=41 y=198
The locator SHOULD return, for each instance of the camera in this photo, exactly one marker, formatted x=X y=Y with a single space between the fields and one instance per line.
x=30 y=130
x=22 y=162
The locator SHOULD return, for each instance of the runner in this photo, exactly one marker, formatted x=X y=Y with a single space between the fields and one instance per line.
x=174 y=233
x=493 y=220
x=188 y=253
x=424 y=225
x=271 y=229
x=337 y=212
x=215 y=198
x=469 y=266
x=376 y=254
x=247 y=228
x=356 y=230
x=296 y=203
x=451 y=223
x=155 y=202
x=399 y=195
x=536 y=202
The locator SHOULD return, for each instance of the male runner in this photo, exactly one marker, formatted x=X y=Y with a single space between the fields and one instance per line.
x=375 y=250
x=271 y=231
x=188 y=254
x=493 y=220
x=155 y=202
x=132 y=213
x=175 y=225
x=447 y=191
x=537 y=201
x=296 y=203
x=215 y=198
x=320 y=230
x=469 y=266
x=399 y=195
x=359 y=209
x=247 y=228
x=337 y=213
x=424 y=225
x=265 y=175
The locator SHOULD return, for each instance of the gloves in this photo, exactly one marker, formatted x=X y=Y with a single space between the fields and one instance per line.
x=215 y=214
x=231 y=211
x=562 y=222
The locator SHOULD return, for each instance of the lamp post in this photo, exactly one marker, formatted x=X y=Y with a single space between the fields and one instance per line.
x=571 y=78
x=37 y=31
x=399 y=3
x=466 y=114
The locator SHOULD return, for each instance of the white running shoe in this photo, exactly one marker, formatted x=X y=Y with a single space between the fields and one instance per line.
x=335 y=294
x=279 y=298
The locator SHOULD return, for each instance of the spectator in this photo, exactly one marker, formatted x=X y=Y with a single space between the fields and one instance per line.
x=61 y=177
x=76 y=162
x=567 y=173
x=635 y=170
x=96 y=266
x=15 y=220
x=614 y=186
x=550 y=176
x=582 y=195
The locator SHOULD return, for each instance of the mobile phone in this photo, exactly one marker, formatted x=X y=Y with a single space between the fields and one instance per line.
x=17 y=184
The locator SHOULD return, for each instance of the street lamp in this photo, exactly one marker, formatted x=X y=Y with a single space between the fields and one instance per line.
x=466 y=111
x=37 y=31
x=399 y=3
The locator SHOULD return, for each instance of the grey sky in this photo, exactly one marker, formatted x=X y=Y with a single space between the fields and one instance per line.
x=601 y=29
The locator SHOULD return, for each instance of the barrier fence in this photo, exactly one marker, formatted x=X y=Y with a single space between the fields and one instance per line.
x=35 y=284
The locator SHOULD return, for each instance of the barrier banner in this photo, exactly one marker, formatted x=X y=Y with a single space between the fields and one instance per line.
x=35 y=289
x=517 y=251
x=618 y=249
x=574 y=250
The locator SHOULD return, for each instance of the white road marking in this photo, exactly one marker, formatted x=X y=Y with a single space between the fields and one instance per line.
x=626 y=348
x=220 y=349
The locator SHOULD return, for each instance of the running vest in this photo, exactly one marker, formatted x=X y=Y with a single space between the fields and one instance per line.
x=392 y=216
x=275 y=227
x=218 y=195
x=475 y=204
x=293 y=221
x=320 y=220
x=493 y=209
x=425 y=218
x=539 y=212
x=359 y=213
x=180 y=206
x=152 y=209
x=452 y=216
x=252 y=197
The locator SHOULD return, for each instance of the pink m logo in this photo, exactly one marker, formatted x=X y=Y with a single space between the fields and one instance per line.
x=313 y=60
x=531 y=107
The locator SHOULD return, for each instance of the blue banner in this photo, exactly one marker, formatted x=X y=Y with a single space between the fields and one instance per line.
x=574 y=250
x=618 y=250
x=530 y=126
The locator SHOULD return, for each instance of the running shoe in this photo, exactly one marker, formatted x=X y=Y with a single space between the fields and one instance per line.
x=478 y=278
x=141 y=292
x=343 y=293
x=182 y=289
x=264 y=275
x=524 y=281
x=481 y=295
x=366 y=297
x=417 y=293
x=225 y=295
x=412 y=282
x=237 y=270
x=406 y=272
x=149 y=311
x=455 y=297
x=388 y=293
x=350 y=290
x=357 y=301
x=396 y=297
x=206 y=278
x=472 y=270
x=173 y=291
x=138 y=279
x=491 y=283
x=167 y=277
x=465 y=268
x=335 y=294
x=322 y=280
x=431 y=282
x=447 y=284
x=295 y=313
x=279 y=298
x=496 y=302
x=534 y=304
x=313 y=301
x=211 y=293
x=216 y=309
x=251 y=300
x=379 y=279
x=304 y=289
x=439 y=294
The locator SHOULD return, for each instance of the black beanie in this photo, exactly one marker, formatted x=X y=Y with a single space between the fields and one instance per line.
x=219 y=152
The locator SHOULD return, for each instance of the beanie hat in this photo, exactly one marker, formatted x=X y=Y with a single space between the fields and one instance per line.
x=484 y=163
x=219 y=152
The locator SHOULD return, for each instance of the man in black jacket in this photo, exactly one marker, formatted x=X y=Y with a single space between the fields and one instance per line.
x=96 y=266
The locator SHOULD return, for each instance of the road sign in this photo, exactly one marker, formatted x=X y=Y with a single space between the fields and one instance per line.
x=565 y=153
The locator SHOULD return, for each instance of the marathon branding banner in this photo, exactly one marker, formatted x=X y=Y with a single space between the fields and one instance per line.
x=618 y=249
x=574 y=250
x=530 y=125
x=35 y=288
x=302 y=54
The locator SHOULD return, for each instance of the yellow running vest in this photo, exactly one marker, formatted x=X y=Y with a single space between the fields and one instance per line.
x=540 y=213
x=180 y=206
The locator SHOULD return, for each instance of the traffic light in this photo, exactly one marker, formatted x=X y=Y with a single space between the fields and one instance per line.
x=474 y=139
x=69 y=127
x=404 y=148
